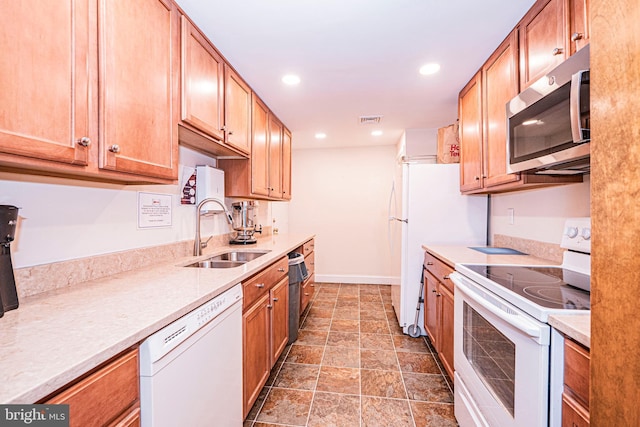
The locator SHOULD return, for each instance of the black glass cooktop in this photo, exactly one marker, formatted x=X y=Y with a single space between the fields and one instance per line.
x=551 y=287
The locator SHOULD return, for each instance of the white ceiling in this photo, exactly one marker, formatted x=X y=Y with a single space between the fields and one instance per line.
x=356 y=58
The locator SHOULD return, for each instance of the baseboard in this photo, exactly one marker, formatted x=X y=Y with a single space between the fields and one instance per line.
x=367 y=280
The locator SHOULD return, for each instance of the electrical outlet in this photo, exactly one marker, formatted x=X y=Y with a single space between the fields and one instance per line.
x=511 y=215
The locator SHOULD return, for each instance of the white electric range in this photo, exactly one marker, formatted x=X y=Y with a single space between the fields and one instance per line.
x=508 y=360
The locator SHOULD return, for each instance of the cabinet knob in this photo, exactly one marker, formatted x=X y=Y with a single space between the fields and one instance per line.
x=429 y=263
x=275 y=299
x=269 y=306
x=306 y=294
x=576 y=36
x=281 y=270
x=312 y=285
x=433 y=290
x=259 y=285
x=85 y=141
x=445 y=277
x=230 y=132
x=115 y=148
x=477 y=178
x=557 y=51
x=223 y=128
x=438 y=295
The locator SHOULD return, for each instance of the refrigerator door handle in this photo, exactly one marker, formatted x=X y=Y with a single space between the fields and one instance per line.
x=393 y=218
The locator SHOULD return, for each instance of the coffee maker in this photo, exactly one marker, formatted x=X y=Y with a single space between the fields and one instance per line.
x=243 y=216
x=8 y=293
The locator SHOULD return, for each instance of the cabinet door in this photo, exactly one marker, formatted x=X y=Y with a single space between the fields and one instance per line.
x=279 y=318
x=430 y=309
x=259 y=148
x=237 y=110
x=202 y=82
x=542 y=40
x=578 y=24
x=470 y=116
x=255 y=346
x=445 y=302
x=286 y=164
x=275 y=157
x=499 y=85
x=138 y=85
x=45 y=79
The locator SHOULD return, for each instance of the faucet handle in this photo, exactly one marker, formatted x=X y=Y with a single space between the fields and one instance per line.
x=205 y=243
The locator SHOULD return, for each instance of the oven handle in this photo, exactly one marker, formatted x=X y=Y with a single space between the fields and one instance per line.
x=495 y=306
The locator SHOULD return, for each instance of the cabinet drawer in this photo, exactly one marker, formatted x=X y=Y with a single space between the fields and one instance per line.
x=306 y=292
x=254 y=287
x=104 y=395
x=576 y=371
x=308 y=247
x=573 y=414
x=310 y=262
x=439 y=269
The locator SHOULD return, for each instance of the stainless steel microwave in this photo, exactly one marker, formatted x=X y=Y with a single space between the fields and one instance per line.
x=548 y=128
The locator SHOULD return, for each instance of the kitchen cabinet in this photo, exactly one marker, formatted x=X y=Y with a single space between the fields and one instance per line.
x=261 y=176
x=215 y=101
x=578 y=25
x=265 y=327
x=307 y=287
x=483 y=132
x=80 y=98
x=575 y=398
x=542 y=40
x=108 y=396
x=438 y=307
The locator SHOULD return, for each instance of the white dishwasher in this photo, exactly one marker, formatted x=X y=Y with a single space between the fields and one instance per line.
x=191 y=370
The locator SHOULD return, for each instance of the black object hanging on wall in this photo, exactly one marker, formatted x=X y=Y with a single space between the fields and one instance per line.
x=8 y=293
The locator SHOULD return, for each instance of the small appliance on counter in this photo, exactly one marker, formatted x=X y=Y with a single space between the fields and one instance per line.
x=8 y=293
x=243 y=216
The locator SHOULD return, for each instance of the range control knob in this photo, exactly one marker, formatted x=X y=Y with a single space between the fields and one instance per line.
x=571 y=232
x=586 y=233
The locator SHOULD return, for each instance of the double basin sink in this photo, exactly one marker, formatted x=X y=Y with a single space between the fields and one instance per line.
x=229 y=259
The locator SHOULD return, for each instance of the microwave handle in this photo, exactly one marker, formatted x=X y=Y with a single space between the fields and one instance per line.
x=576 y=125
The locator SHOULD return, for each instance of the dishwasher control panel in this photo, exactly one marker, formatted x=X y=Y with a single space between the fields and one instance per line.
x=169 y=337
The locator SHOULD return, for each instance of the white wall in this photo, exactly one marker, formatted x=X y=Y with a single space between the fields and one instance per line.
x=61 y=219
x=342 y=196
x=540 y=214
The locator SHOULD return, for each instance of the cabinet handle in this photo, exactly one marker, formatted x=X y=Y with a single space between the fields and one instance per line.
x=281 y=270
x=115 y=148
x=269 y=306
x=306 y=294
x=429 y=263
x=576 y=36
x=445 y=277
x=230 y=132
x=477 y=178
x=85 y=141
x=223 y=128
x=312 y=285
x=259 y=285
x=274 y=299
x=438 y=295
x=557 y=51
x=433 y=290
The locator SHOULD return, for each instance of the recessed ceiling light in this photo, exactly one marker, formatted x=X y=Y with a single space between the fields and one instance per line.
x=376 y=133
x=321 y=135
x=428 y=69
x=291 y=79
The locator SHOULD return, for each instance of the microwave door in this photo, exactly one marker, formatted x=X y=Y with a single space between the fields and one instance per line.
x=580 y=129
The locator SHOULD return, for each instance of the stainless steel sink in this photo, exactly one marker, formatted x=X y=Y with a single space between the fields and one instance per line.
x=229 y=259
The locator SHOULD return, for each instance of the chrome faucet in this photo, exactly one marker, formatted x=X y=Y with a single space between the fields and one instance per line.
x=199 y=244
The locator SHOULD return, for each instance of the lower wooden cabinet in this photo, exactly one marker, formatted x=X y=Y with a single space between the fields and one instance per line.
x=109 y=396
x=575 y=398
x=265 y=327
x=307 y=287
x=438 y=308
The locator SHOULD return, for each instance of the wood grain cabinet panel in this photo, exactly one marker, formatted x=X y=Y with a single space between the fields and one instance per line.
x=575 y=398
x=579 y=31
x=108 y=396
x=470 y=117
x=275 y=157
x=260 y=148
x=286 y=164
x=237 y=111
x=138 y=80
x=279 y=318
x=45 y=80
x=542 y=40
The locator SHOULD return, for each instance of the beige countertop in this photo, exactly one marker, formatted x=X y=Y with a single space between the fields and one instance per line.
x=55 y=337
x=576 y=326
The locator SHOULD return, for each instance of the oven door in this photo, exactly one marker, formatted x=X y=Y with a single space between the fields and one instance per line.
x=501 y=358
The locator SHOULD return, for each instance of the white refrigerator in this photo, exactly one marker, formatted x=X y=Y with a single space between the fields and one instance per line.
x=426 y=208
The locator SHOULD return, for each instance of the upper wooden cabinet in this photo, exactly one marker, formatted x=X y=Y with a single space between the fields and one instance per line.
x=202 y=83
x=470 y=117
x=86 y=92
x=45 y=80
x=237 y=111
x=267 y=174
x=542 y=40
x=579 y=32
x=138 y=81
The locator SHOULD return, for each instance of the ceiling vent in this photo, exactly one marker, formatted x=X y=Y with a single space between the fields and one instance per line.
x=370 y=120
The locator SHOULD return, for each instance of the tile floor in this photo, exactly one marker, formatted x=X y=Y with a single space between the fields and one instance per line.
x=352 y=366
